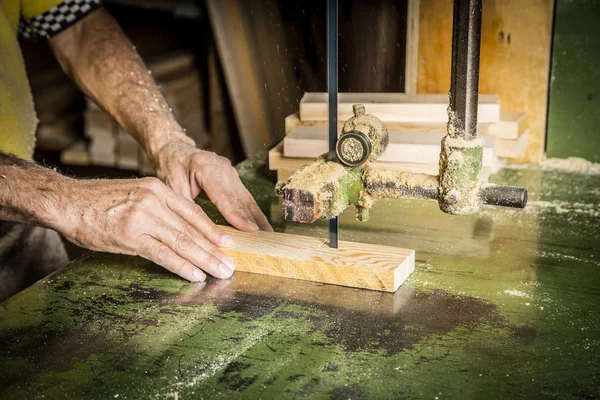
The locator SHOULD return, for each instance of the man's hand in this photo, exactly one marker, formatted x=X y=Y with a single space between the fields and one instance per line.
x=98 y=56
x=188 y=171
x=144 y=217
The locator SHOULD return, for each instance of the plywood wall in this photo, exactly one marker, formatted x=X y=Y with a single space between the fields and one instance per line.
x=515 y=58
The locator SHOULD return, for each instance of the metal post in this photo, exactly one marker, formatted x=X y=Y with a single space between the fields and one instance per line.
x=464 y=85
x=332 y=90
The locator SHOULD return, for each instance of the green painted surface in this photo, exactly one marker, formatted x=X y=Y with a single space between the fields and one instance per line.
x=502 y=304
x=573 y=119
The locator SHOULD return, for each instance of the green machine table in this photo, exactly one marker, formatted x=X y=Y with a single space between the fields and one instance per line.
x=503 y=304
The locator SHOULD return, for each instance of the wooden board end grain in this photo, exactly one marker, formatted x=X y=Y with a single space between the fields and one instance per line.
x=307 y=258
x=511 y=148
x=511 y=125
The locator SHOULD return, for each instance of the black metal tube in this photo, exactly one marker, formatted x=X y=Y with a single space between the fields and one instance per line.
x=332 y=91
x=505 y=196
x=464 y=84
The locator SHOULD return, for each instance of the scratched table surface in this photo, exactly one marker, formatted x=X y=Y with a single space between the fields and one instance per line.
x=502 y=304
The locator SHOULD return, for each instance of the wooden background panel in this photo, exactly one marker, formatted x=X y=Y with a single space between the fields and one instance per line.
x=515 y=58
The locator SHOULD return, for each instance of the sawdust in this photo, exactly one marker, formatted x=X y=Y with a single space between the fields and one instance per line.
x=313 y=176
x=352 y=150
x=370 y=126
x=386 y=184
x=460 y=196
x=572 y=164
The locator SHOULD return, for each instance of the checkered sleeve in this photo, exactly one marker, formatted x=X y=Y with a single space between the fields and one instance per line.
x=57 y=18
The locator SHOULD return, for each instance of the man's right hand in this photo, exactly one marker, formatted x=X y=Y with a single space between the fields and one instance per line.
x=144 y=217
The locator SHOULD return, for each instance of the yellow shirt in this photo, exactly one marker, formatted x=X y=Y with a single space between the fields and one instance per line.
x=42 y=18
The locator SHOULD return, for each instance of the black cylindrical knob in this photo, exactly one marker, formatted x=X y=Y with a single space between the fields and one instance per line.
x=505 y=196
x=353 y=148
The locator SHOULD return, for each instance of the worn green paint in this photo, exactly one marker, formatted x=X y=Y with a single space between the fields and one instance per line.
x=573 y=118
x=502 y=304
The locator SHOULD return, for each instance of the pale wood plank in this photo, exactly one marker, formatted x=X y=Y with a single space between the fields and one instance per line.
x=411 y=67
x=76 y=154
x=353 y=264
x=278 y=162
x=404 y=146
x=511 y=148
x=398 y=107
x=293 y=120
x=511 y=125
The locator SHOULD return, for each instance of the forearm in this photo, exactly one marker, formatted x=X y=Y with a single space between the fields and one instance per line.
x=30 y=193
x=100 y=59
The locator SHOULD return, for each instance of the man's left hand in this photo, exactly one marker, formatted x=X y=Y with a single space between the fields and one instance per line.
x=188 y=170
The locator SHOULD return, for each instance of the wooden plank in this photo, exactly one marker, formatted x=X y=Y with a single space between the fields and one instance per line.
x=307 y=258
x=277 y=161
x=286 y=166
x=97 y=123
x=398 y=107
x=293 y=120
x=404 y=146
x=242 y=73
x=515 y=58
x=127 y=151
x=76 y=154
x=511 y=125
x=511 y=148
x=103 y=151
x=411 y=67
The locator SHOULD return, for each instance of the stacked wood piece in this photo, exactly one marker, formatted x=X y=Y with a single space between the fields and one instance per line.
x=111 y=146
x=416 y=125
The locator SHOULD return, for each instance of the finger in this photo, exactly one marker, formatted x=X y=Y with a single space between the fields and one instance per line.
x=162 y=255
x=180 y=186
x=259 y=217
x=193 y=214
x=197 y=235
x=186 y=248
x=228 y=205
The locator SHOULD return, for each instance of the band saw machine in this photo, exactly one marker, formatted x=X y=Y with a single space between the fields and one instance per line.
x=345 y=176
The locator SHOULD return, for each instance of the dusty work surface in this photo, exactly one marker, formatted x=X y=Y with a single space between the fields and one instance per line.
x=502 y=305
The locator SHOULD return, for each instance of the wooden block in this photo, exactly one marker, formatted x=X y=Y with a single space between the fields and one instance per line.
x=103 y=151
x=411 y=67
x=398 y=107
x=511 y=125
x=278 y=162
x=99 y=124
x=353 y=264
x=293 y=120
x=57 y=134
x=127 y=151
x=510 y=148
x=284 y=174
x=288 y=165
x=76 y=154
x=405 y=147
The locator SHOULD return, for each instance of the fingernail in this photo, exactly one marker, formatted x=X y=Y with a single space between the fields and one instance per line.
x=229 y=262
x=227 y=241
x=225 y=270
x=254 y=226
x=199 y=276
